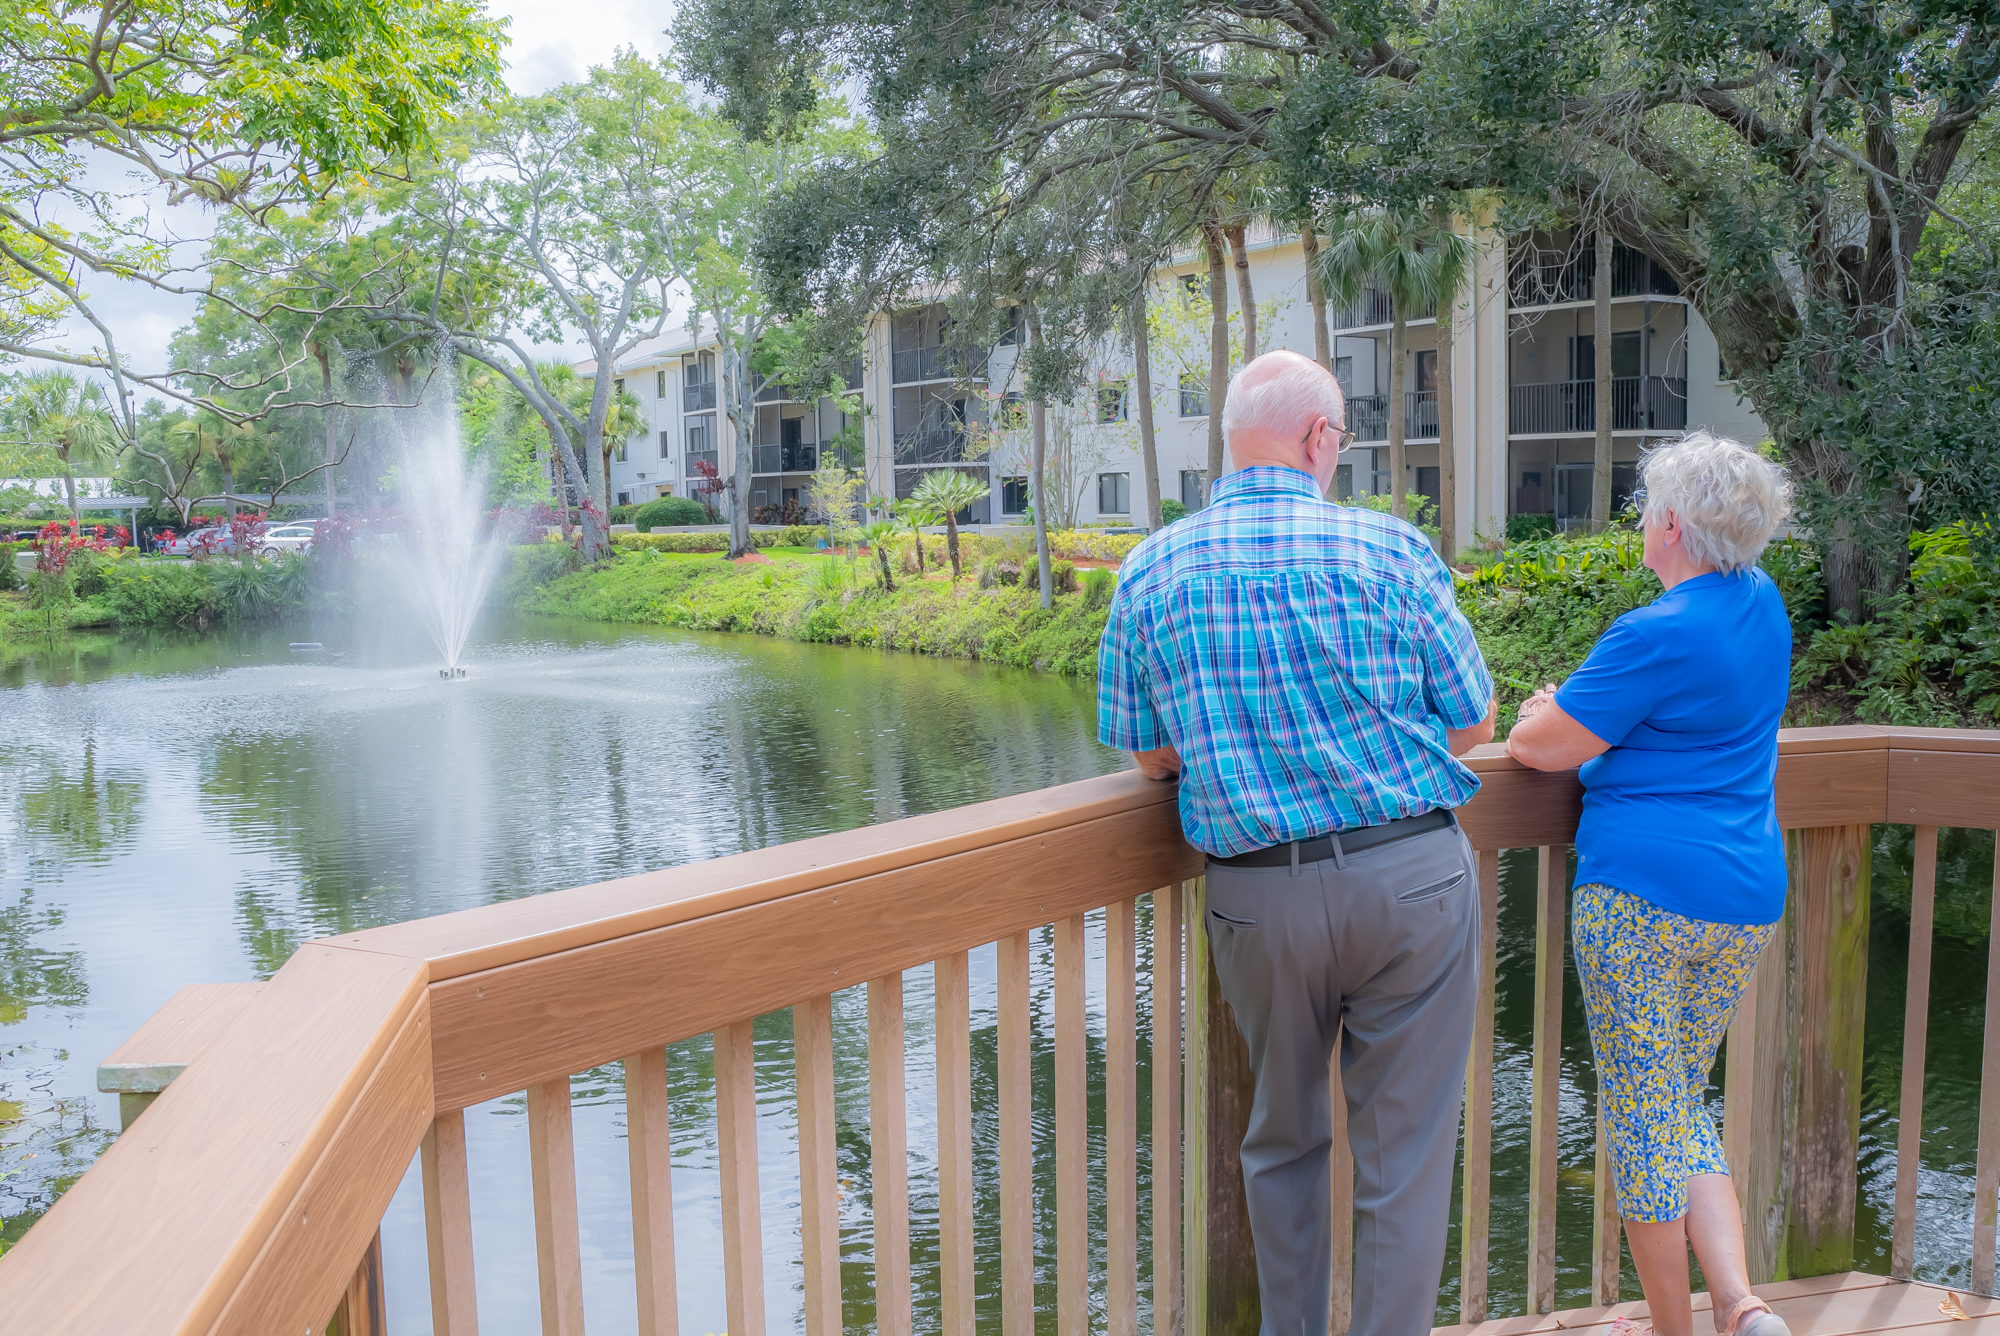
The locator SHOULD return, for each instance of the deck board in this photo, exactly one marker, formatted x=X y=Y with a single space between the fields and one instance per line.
x=1852 y=1303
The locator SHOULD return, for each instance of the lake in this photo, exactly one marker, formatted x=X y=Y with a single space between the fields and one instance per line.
x=190 y=810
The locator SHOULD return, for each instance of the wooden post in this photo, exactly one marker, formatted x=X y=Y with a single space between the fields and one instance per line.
x=1756 y=1120
x=1545 y=1112
x=1222 y=1260
x=361 y=1312
x=1828 y=909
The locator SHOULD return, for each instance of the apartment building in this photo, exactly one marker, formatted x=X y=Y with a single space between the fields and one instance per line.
x=1523 y=361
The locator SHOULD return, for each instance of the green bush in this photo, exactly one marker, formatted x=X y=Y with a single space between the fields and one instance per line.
x=623 y=514
x=10 y=573
x=1171 y=511
x=1525 y=528
x=672 y=542
x=1098 y=587
x=668 y=512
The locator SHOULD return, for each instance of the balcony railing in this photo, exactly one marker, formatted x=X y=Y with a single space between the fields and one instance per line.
x=692 y=457
x=939 y=445
x=909 y=365
x=785 y=458
x=1368 y=414
x=248 y=1197
x=1638 y=403
x=1544 y=277
x=695 y=398
x=1372 y=307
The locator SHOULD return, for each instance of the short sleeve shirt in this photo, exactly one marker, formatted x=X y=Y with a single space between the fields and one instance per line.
x=1305 y=659
x=1681 y=811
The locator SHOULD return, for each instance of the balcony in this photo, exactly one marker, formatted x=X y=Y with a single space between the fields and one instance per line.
x=1546 y=277
x=1368 y=414
x=785 y=458
x=692 y=458
x=939 y=445
x=1372 y=307
x=1638 y=403
x=938 y=362
x=250 y=1196
x=696 y=398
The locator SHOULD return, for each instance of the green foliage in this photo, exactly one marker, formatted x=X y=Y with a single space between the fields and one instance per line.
x=670 y=512
x=796 y=535
x=1526 y=528
x=1098 y=587
x=1172 y=510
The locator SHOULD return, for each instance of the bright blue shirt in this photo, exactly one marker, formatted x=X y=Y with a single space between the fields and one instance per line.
x=1304 y=658
x=1682 y=812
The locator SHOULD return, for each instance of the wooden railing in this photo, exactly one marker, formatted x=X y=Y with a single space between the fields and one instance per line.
x=247 y=1197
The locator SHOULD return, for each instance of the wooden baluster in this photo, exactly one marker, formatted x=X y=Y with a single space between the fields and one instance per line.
x=955 y=1200
x=1477 y=1196
x=1340 y=1180
x=448 y=1227
x=1986 y=1166
x=889 y=1156
x=736 y=1136
x=1551 y=903
x=1754 y=1110
x=361 y=1311
x=1916 y=1026
x=1604 y=1224
x=1072 y=1135
x=558 y=1251
x=650 y=1153
x=1121 y=1123
x=819 y=1174
x=1194 y=1117
x=1167 y=1111
x=1017 y=1145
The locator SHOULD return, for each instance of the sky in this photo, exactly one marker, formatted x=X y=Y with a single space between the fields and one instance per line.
x=550 y=42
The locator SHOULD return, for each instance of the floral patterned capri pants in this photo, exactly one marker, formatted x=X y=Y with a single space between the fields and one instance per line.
x=1658 y=990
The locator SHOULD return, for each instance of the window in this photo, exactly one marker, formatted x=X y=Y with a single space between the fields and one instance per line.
x=1194 y=287
x=660 y=383
x=1114 y=494
x=618 y=385
x=624 y=498
x=1193 y=482
x=618 y=451
x=1013 y=496
x=1012 y=414
x=1011 y=336
x=1111 y=402
x=699 y=432
x=1194 y=395
x=1343 y=371
x=666 y=437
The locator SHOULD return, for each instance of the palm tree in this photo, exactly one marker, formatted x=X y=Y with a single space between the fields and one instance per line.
x=916 y=514
x=623 y=420
x=878 y=533
x=222 y=442
x=1423 y=266
x=946 y=492
x=53 y=410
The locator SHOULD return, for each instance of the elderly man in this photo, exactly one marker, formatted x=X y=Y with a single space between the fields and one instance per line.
x=1302 y=668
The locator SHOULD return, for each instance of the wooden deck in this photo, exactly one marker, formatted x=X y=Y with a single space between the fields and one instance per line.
x=1853 y=1303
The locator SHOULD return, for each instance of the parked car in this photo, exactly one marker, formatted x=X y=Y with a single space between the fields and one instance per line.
x=294 y=537
x=208 y=539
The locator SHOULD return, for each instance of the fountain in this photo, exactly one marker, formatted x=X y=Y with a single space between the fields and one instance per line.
x=448 y=557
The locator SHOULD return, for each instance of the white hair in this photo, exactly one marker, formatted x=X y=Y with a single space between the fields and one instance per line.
x=1729 y=498
x=1284 y=403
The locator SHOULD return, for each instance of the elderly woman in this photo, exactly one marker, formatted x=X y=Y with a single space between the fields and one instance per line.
x=1680 y=868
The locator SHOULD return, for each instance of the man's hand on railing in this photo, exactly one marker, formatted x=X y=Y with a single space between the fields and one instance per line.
x=1459 y=741
x=1159 y=763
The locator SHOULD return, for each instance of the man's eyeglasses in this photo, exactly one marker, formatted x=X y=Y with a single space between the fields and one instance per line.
x=1344 y=437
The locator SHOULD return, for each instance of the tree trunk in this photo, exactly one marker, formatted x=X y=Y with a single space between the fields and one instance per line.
x=1218 y=354
x=741 y=413
x=1398 y=425
x=1240 y=254
x=1142 y=398
x=559 y=476
x=324 y=355
x=228 y=488
x=1447 y=498
x=1038 y=413
x=951 y=543
x=69 y=487
x=1322 y=345
x=1600 y=473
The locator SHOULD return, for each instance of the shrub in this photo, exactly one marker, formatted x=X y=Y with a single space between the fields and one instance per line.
x=1062 y=575
x=1098 y=587
x=1526 y=528
x=623 y=514
x=669 y=512
x=10 y=572
x=671 y=542
x=1171 y=510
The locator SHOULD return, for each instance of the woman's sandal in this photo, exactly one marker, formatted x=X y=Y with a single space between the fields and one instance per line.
x=1753 y=1317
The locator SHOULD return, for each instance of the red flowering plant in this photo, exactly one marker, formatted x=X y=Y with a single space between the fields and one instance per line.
x=57 y=547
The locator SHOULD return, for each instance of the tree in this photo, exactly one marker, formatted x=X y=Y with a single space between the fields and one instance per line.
x=1423 y=266
x=70 y=418
x=945 y=492
x=1782 y=165
x=878 y=533
x=916 y=513
x=1142 y=399
x=252 y=110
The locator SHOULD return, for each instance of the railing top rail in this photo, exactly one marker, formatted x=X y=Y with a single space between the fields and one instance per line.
x=500 y=934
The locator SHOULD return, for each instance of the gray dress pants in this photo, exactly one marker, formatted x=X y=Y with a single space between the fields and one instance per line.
x=1387 y=941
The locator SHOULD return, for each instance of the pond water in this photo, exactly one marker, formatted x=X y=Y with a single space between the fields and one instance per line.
x=190 y=811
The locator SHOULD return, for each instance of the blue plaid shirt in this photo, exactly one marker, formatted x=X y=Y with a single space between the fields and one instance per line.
x=1304 y=658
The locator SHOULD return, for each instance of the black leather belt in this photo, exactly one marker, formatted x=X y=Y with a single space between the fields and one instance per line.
x=1351 y=841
